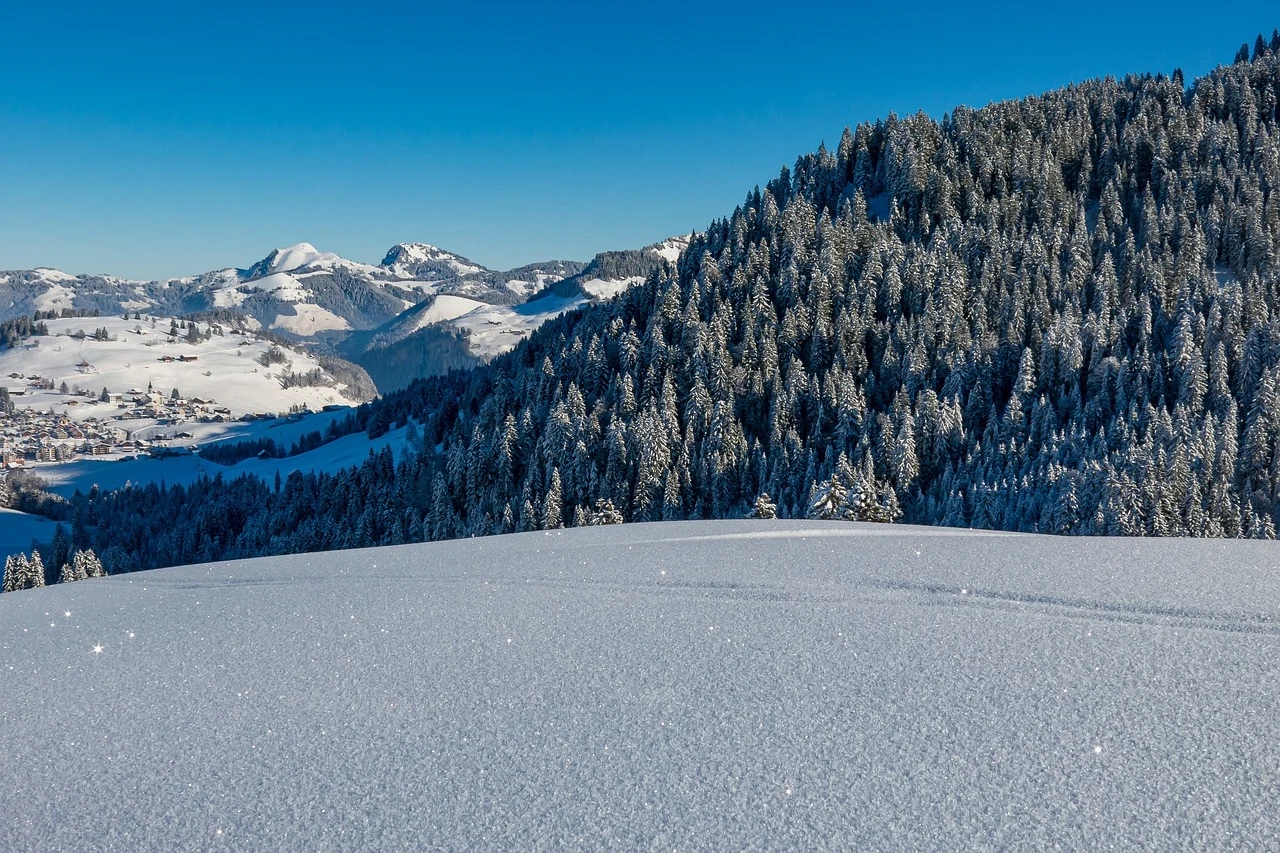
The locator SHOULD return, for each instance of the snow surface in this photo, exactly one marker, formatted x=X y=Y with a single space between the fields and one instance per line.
x=56 y=297
x=494 y=329
x=282 y=286
x=445 y=308
x=671 y=248
x=66 y=478
x=308 y=319
x=607 y=288
x=19 y=529
x=730 y=685
x=51 y=274
x=302 y=255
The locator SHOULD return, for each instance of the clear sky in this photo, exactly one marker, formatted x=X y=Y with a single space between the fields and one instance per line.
x=153 y=140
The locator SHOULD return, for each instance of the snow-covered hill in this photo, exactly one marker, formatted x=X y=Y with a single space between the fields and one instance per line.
x=107 y=388
x=731 y=685
x=227 y=367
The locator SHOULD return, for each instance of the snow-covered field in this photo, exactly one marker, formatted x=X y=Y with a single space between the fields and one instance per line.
x=730 y=685
x=66 y=478
x=492 y=330
x=18 y=529
x=224 y=368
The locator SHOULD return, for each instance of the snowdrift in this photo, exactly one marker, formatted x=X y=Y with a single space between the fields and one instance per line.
x=727 y=685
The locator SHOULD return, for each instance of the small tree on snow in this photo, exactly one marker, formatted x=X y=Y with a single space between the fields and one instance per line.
x=90 y=564
x=14 y=571
x=605 y=513
x=828 y=499
x=552 y=514
x=35 y=571
x=72 y=570
x=764 y=507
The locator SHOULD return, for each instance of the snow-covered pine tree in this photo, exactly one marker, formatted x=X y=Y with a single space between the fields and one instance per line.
x=764 y=507
x=14 y=572
x=827 y=499
x=605 y=512
x=553 y=513
x=89 y=564
x=35 y=571
x=72 y=570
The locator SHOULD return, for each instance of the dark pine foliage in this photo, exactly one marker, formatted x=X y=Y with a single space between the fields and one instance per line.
x=1057 y=314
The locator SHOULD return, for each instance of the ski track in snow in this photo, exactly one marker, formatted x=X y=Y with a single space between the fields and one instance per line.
x=700 y=685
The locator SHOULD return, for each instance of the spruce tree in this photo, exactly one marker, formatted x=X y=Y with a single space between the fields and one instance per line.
x=553 y=514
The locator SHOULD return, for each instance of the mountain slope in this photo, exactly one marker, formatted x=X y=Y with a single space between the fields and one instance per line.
x=712 y=685
x=448 y=332
x=1052 y=314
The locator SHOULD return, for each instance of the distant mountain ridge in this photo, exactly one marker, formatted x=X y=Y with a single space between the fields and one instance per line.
x=298 y=291
x=449 y=330
x=421 y=311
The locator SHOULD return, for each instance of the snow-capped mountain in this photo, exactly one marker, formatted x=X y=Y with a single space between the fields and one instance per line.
x=421 y=311
x=449 y=330
x=298 y=291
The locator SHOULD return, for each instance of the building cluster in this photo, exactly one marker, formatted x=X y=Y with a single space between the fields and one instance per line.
x=32 y=434
x=29 y=435
x=138 y=404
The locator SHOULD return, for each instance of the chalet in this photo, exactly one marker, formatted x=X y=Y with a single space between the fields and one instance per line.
x=166 y=358
x=188 y=358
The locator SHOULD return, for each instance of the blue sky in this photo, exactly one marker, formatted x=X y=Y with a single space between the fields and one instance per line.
x=154 y=140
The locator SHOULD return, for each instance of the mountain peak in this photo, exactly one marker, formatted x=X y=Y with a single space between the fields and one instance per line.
x=402 y=252
x=297 y=256
x=411 y=259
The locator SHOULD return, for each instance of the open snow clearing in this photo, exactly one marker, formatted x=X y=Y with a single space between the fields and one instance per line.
x=727 y=685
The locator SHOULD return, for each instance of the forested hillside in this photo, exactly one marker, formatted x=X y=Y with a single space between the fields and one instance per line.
x=1054 y=314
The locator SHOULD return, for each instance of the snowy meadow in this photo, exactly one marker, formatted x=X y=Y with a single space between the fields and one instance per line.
x=695 y=685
